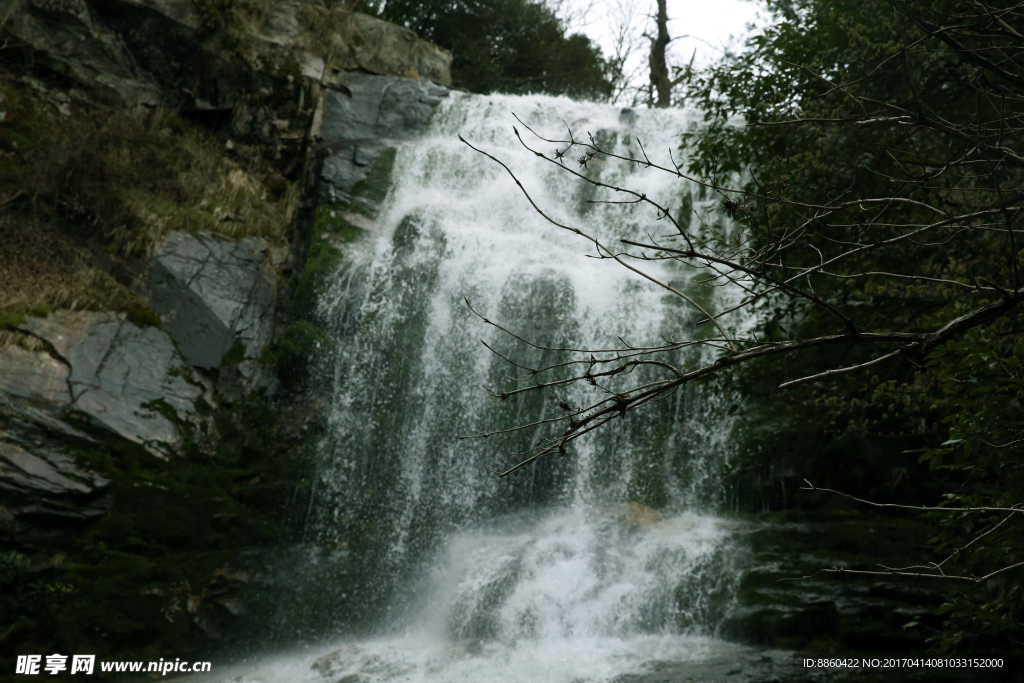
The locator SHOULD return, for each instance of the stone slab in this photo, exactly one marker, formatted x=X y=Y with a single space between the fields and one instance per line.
x=213 y=292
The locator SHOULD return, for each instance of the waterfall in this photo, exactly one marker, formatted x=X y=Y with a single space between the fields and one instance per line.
x=578 y=568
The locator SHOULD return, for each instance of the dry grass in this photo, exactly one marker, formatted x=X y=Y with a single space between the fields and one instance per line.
x=25 y=341
x=141 y=174
x=121 y=181
x=325 y=30
x=131 y=176
x=44 y=269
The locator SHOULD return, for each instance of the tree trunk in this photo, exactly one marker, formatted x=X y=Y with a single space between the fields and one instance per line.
x=660 y=82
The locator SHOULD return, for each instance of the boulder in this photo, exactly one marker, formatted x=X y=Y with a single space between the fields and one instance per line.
x=85 y=379
x=44 y=493
x=213 y=293
x=127 y=381
x=363 y=106
x=359 y=43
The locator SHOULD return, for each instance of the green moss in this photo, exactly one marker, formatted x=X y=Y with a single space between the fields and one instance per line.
x=19 y=588
x=333 y=227
x=10 y=320
x=234 y=355
x=337 y=221
x=141 y=315
x=203 y=407
x=377 y=182
x=163 y=562
x=302 y=344
x=13 y=138
x=322 y=261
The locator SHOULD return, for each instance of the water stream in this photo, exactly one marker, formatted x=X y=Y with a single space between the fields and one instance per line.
x=425 y=566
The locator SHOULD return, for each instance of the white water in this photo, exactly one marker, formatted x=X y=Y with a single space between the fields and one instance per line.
x=563 y=573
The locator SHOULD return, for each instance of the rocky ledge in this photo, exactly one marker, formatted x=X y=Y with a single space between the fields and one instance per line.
x=152 y=457
x=74 y=379
x=288 y=79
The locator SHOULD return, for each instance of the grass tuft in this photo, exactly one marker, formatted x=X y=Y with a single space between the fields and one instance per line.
x=80 y=195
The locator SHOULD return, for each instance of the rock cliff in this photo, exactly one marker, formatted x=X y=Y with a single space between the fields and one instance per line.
x=161 y=164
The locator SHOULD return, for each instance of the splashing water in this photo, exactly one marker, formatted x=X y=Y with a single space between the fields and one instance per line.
x=422 y=563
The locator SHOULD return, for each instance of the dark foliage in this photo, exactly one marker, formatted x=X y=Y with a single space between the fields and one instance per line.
x=914 y=110
x=508 y=46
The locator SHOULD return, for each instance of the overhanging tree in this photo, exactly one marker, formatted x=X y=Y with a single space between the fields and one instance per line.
x=879 y=183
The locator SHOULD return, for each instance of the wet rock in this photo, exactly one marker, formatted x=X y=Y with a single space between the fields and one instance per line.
x=635 y=514
x=352 y=664
x=364 y=116
x=786 y=601
x=213 y=293
x=739 y=665
x=767 y=625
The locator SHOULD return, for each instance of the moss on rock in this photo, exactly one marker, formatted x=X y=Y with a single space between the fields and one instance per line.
x=786 y=602
x=335 y=226
x=302 y=343
x=377 y=182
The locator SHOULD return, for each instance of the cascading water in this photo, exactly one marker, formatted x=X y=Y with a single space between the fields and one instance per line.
x=579 y=568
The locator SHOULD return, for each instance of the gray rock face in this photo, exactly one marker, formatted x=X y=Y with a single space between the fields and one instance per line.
x=363 y=116
x=157 y=51
x=99 y=376
x=125 y=380
x=379 y=47
x=43 y=494
x=213 y=292
x=362 y=106
x=67 y=38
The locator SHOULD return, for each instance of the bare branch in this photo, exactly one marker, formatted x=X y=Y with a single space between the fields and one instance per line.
x=597 y=243
x=812 y=487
